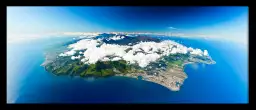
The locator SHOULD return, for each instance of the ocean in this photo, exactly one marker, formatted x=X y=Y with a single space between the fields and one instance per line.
x=224 y=82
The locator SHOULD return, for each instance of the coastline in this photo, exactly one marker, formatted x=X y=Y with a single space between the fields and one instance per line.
x=184 y=64
x=204 y=92
x=172 y=78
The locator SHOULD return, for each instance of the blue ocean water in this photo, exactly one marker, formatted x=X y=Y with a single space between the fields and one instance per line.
x=224 y=82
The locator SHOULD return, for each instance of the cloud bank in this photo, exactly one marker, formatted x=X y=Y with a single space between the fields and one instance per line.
x=142 y=53
x=115 y=38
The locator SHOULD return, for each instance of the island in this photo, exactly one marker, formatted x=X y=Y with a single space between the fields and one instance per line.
x=143 y=57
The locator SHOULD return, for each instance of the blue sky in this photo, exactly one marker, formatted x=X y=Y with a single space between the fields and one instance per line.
x=219 y=22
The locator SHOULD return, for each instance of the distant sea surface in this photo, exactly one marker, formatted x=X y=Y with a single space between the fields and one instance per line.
x=224 y=82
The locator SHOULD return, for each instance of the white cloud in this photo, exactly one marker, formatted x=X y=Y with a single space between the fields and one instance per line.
x=84 y=44
x=149 y=54
x=172 y=28
x=115 y=38
x=62 y=54
x=68 y=53
x=197 y=52
x=206 y=53
x=116 y=59
x=73 y=33
x=75 y=57
x=105 y=59
x=82 y=34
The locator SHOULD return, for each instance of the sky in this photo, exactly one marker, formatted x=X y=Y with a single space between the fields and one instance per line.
x=230 y=22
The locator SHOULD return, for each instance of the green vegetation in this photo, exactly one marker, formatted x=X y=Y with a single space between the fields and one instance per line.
x=174 y=63
x=106 y=68
x=99 y=69
x=64 y=66
x=175 y=60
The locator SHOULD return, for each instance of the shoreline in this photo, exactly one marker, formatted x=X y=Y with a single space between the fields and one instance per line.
x=172 y=79
x=184 y=64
